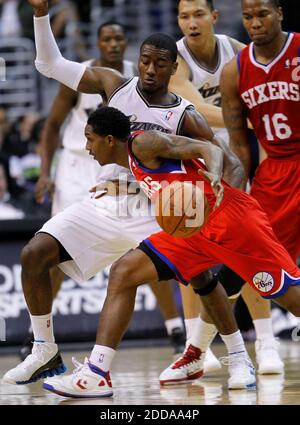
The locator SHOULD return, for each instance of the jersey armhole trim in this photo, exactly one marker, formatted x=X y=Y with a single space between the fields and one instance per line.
x=118 y=89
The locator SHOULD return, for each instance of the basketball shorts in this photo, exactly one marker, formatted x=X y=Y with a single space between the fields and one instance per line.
x=96 y=232
x=276 y=186
x=239 y=236
x=74 y=177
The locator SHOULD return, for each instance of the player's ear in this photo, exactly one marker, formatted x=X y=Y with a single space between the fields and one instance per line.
x=109 y=139
x=215 y=15
x=174 y=68
x=280 y=13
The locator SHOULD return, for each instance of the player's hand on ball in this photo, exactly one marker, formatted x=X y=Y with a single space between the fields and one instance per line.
x=216 y=185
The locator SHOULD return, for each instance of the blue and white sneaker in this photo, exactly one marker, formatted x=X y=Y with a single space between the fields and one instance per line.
x=241 y=371
x=86 y=381
x=45 y=360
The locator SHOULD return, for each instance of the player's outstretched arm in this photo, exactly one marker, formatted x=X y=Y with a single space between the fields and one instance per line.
x=235 y=116
x=52 y=64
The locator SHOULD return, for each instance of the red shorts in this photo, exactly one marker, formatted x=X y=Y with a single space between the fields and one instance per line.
x=276 y=186
x=238 y=235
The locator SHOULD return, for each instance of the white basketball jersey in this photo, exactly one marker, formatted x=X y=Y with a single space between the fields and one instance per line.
x=73 y=137
x=143 y=116
x=205 y=80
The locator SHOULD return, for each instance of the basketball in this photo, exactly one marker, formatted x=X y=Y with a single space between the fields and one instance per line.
x=181 y=209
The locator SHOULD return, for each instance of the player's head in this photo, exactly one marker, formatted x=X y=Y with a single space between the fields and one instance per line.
x=106 y=132
x=262 y=20
x=157 y=62
x=112 y=41
x=196 y=18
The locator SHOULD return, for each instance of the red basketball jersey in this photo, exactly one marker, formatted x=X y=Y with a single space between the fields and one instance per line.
x=152 y=181
x=271 y=95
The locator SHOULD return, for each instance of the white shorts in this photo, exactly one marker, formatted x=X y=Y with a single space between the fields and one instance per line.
x=75 y=175
x=97 y=232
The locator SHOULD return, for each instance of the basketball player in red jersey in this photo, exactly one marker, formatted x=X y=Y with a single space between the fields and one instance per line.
x=262 y=84
x=259 y=258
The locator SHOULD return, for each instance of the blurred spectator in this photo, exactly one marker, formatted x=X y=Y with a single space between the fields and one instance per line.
x=8 y=208
x=4 y=127
x=16 y=19
x=18 y=140
x=65 y=26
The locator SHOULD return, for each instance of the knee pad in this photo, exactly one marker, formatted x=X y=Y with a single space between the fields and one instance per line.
x=213 y=282
x=231 y=282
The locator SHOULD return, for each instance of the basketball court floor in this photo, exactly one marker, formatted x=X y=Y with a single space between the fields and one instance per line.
x=135 y=380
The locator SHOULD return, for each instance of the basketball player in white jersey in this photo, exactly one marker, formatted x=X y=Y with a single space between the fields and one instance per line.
x=202 y=56
x=91 y=234
x=76 y=171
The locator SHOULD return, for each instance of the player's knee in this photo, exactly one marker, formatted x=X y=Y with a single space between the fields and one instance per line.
x=204 y=283
x=120 y=276
x=231 y=282
x=38 y=255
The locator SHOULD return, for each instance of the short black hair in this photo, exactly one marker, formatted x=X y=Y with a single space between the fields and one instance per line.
x=161 y=40
x=109 y=121
x=209 y=3
x=107 y=24
x=275 y=3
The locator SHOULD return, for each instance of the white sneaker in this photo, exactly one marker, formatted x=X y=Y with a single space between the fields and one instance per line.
x=267 y=357
x=241 y=371
x=211 y=363
x=187 y=368
x=45 y=360
x=86 y=380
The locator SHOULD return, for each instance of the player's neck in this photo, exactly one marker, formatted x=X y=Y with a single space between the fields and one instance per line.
x=266 y=53
x=121 y=157
x=118 y=66
x=205 y=50
x=161 y=97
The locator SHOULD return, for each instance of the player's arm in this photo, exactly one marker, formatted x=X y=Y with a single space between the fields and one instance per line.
x=195 y=126
x=62 y=105
x=235 y=116
x=52 y=64
x=180 y=83
x=236 y=45
x=150 y=147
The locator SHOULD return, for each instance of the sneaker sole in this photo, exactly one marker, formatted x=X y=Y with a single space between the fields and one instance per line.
x=271 y=372
x=187 y=380
x=45 y=374
x=249 y=386
x=64 y=394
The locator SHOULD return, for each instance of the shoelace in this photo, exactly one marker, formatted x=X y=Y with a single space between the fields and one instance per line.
x=38 y=351
x=238 y=360
x=79 y=366
x=186 y=358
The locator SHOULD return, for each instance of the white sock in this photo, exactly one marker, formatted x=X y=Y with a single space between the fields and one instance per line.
x=171 y=324
x=42 y=327
x=102 y=356
x=263 y=328
x=189 y=328
x=234 y=342
x=203 y=334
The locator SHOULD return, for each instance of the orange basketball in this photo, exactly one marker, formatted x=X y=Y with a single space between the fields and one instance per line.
x=181 y=209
